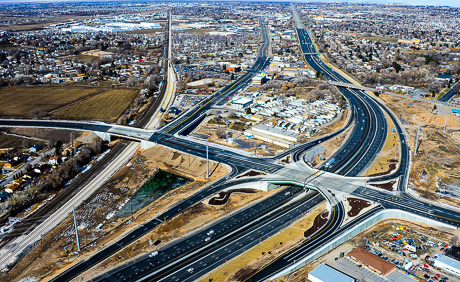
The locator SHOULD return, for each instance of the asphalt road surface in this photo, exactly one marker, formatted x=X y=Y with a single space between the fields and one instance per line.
x=195 y=255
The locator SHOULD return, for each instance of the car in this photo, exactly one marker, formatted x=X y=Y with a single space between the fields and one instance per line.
x=210 y=232
x=190 y=270
x=287 y=193
x=154 y=253
x=207 y=239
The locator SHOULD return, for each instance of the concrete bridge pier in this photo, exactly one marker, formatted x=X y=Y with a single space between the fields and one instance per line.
x=146 y=144
x=104 y=135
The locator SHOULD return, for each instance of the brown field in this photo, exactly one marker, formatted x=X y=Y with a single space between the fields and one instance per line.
x=20 y=101
x=107 y=106
x=8 y=141
x=145 y=31
x=197 y=31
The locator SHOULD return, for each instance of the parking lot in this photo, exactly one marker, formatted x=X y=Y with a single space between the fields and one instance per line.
x=364 y=274
x=185 y=101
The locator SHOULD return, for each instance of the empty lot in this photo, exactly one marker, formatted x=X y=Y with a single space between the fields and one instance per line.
x=20 y=101
x=65 y=102
x=107 y=106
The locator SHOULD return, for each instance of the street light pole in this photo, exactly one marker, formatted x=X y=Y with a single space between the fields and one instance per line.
x=76 y=229
x=207 y=157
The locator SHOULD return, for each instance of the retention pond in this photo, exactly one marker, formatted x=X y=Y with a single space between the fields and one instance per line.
x=156 y=187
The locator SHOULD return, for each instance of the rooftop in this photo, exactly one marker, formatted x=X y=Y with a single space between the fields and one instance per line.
x=328 y=274
x=449 y=261
x=372 y=260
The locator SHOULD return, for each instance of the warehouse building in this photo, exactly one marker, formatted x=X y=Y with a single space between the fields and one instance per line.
x=373 y=262
x=325 y=273
x=241 y=102
x=448 y=264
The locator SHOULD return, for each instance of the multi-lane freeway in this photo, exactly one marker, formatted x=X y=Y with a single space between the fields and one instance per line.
x=195 y=255
x=370 y=126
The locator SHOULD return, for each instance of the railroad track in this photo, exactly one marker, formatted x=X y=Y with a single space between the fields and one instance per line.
x=27 y=225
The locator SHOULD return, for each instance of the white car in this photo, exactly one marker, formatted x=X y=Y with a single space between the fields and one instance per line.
x=207 y=239
x=154 y=253
x=210 y=232
x=190 y=270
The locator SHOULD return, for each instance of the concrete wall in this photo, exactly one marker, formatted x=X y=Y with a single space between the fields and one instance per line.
x=347 y=235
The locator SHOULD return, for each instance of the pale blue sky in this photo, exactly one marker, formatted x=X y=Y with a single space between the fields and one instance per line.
x=454 y=3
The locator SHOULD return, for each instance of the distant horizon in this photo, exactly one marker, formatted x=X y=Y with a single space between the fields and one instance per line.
x=450 y=3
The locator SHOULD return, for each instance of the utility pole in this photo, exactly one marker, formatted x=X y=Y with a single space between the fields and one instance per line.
x=207 y=158
x=226 y=130
x=416 y=140
x=76 y=229
x=445 y=125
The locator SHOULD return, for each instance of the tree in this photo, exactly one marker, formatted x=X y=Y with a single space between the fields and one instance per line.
x=318 y=74
x=36 y=112
x=58 y=148
x=397 y=67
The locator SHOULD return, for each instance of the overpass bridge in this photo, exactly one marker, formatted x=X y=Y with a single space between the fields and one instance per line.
x=104 y=130
x=351 y=85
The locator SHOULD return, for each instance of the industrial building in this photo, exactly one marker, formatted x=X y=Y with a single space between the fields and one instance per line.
x=371 y=261
x=259 y=79
x=448 y=264
x=325 y=273
x=241 y=102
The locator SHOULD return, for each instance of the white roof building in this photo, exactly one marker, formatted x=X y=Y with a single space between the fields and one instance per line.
x=325 y=273
x=448 y=264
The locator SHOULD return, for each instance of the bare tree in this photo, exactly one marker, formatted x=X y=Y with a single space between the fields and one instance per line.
x=36 y=112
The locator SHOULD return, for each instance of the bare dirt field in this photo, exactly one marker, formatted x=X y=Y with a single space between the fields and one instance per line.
x=8 y=141
x=98 y=223
x=20 y=101
x=107 y=106
x=437 y=163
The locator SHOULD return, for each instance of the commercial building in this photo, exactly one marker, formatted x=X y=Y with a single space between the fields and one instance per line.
x=373 y=262
x=279 y=136
x=325 y=273
x=259 y=79
x=233 y=68
x=241 y=102
x=448 y=264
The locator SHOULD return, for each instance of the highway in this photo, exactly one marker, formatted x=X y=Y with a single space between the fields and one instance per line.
x=370 y=127
x=193 y=256
x=187 y=119
x=230 y=237
x=165 y=100
x=450 y=94
x=400 y=201
x=325 y=235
